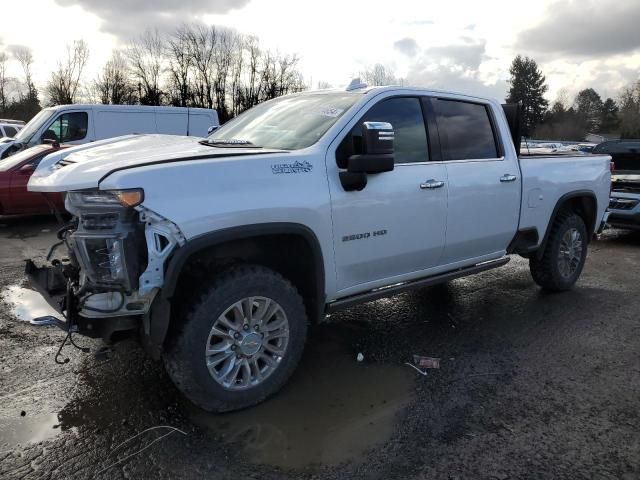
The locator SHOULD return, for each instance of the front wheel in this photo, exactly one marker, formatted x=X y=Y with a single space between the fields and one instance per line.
x=564 y=255
x=241 y=341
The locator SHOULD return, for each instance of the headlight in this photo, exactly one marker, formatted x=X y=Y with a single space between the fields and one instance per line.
x=105 y=198
x=109 y=259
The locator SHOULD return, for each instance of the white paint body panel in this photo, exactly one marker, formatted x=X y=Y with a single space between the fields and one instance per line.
x=108 y=121
x=471 y=220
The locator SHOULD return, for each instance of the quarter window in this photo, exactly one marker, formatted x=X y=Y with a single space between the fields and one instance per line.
x=465 y=130
x=68 y=127
x=405 y=115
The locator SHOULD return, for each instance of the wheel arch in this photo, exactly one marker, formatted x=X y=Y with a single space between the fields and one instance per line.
x=582 y=202
x=243 y=243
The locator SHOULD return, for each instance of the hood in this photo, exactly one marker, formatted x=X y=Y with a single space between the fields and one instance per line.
x=85 y=166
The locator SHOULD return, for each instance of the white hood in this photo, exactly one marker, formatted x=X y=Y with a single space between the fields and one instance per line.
x=81 y=168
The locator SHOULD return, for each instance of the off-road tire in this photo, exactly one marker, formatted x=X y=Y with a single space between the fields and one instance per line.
x=184 y=357
x=545 y=269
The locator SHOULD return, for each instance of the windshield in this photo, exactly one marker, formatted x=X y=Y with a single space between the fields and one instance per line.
x=14 y=160
x=27 y=132
x=288 y=123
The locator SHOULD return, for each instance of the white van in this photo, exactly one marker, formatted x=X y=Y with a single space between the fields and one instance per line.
x=78 y=124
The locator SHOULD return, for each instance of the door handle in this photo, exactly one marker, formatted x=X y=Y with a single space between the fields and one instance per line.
x=507 y=177
x=431 y=184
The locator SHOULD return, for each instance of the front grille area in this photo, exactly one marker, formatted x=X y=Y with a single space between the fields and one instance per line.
x=622 y=203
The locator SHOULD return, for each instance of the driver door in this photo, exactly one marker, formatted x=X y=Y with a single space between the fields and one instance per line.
x=68 y=127
x=394 y=228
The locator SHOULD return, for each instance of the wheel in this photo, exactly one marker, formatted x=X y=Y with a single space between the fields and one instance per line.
x=241 y=340
x=564 y=255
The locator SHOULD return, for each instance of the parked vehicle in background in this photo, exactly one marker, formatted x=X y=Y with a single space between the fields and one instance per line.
x=15 y=172
x=218 y=252
x=9 y=129
x=625 y=182
x=78 y=124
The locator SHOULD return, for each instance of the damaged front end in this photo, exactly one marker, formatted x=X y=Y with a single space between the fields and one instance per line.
x=114 y=267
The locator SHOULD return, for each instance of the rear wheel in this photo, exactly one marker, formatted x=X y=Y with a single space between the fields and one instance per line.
x=564 y=255
x=241 y=341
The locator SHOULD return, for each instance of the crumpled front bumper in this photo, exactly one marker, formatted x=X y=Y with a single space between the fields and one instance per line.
x=51 y=283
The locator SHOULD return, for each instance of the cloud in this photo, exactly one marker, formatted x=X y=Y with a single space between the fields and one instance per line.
x=128 y=18
x=406 y=45
x=585 y=28
x=469 y=55
x=454 y=67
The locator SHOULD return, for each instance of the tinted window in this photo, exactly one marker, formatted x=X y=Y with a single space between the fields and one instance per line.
x=618 y=147
x=405 y=115
x=465 y=130
x=10 y=131
x=68 y=127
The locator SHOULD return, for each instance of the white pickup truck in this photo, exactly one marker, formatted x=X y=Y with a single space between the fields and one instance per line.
x=220 y=251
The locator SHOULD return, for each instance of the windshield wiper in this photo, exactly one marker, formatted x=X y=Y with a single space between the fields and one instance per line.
x=231 y=142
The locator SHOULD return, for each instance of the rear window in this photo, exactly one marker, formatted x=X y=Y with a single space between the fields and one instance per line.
x=465 y=130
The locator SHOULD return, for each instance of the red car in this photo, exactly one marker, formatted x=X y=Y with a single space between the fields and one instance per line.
x=15 y=172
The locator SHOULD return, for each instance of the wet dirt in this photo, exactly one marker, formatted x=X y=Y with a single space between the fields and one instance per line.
x=25 y=303
x=333 y=410
x=530 y=385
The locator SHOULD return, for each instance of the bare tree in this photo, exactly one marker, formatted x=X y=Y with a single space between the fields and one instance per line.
x=24 y=57
x=202 y=46
x=379 y=75
x=64 y=84
x=146 y=59
x=4 y=82
x=113 y=85
x=180 y=62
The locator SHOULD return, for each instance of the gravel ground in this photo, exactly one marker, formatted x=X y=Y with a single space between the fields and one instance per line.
x=531 y=385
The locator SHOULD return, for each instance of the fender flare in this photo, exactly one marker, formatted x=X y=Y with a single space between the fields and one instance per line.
x=561 y=201
x=156 y=322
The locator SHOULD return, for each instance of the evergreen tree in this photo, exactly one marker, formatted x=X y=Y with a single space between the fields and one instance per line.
x=609 y=121
x=589 y=105
x=528 y=87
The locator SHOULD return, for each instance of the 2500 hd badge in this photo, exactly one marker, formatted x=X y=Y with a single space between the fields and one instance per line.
x=362 y=236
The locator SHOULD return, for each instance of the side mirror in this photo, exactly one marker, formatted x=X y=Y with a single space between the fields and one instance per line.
x=212 y=129
x=377 y=145
x=27 y=169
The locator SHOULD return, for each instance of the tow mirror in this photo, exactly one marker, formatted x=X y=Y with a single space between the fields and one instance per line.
x=377 y=146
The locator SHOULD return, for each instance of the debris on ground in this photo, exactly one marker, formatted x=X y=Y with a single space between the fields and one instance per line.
x=360 y=357
x=421 y=372
x=426 y=362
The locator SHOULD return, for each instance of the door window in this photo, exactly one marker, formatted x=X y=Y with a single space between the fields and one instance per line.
x=68 y=127
x=10 y=131
x=465 y=130
x=405 y=115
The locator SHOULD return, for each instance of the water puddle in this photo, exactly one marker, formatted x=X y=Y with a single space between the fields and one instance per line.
x=332 y=410
x=28 y=429
x=26 y=304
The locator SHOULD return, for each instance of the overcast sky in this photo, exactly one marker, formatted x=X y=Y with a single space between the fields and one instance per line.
x=457 y=45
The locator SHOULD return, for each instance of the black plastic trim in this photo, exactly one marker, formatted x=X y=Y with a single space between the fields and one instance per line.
x=383 y=292
x=561 y=201
x=160 y=313
x=524 y=241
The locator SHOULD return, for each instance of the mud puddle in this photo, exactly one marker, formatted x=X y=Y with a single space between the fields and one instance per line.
x=332 y=410
x=28 y=429
x=26 y=304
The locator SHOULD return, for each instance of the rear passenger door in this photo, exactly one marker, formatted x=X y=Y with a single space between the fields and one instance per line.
x=484 y=181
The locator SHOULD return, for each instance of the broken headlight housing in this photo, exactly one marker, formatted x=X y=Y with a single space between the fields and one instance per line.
x=109 y=240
